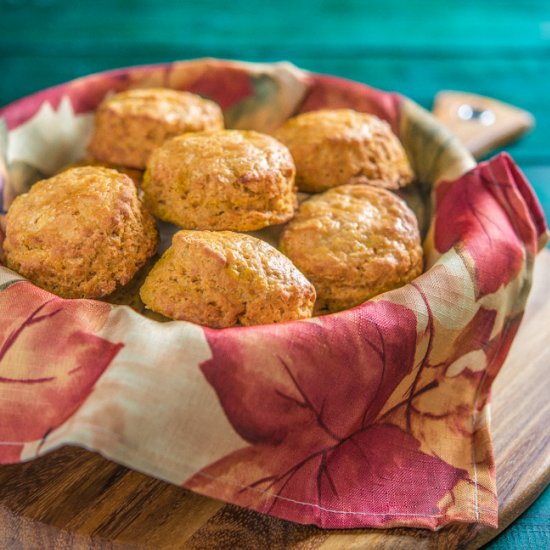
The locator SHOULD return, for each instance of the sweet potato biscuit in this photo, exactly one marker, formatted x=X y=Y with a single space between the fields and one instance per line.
x=220 y=278
x=225 y=180
x=134 y=173
x=341 y=146
x=131 y=124
x=354 y=242
x=80 y=233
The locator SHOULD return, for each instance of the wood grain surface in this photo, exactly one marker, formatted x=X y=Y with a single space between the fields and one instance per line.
x=76 y=499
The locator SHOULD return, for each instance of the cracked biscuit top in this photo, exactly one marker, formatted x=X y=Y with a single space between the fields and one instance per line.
x=354 y=242
x=131 y=124
x=80 y=233
x=224 y=180
x=220 y=278
x=342 y=146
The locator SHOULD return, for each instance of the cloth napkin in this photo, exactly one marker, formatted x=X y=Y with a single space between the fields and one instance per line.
x=373 y=417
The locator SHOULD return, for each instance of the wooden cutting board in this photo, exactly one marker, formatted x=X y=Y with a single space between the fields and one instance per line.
x=77 y=499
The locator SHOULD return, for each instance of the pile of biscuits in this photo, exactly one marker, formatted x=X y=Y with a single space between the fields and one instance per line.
x=162 y=153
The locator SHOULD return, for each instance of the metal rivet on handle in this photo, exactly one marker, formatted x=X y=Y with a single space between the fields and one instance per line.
x=484 y=116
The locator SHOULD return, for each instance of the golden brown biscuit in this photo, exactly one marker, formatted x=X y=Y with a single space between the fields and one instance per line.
x=341 y=146
x=80 y=233
x=227 y=180
x=219 y=278
x=135 y=174
x=131 y=124
x=353 y=242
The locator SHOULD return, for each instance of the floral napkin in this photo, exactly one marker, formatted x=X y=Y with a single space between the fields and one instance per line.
x=376 y=416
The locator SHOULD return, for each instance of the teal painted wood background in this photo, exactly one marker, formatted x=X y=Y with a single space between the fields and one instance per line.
x=499 y=48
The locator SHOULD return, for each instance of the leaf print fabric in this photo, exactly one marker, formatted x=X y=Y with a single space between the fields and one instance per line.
x=50 y=359
x=486 y=210
x=312 y=416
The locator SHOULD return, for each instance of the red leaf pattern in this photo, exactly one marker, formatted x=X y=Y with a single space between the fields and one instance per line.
x=310 y=412
x=485 y=210
x=328 y=92
x=48 y=352
x=227 y=86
